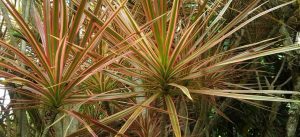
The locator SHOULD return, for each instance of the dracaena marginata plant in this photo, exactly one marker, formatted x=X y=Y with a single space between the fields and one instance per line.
x=182 y=58
x=172 y=55
x=63 y=39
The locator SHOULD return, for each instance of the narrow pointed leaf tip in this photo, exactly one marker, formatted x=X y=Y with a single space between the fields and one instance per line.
x=184 y=89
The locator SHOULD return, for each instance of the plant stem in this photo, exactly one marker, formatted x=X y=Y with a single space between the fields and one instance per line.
x=163 y=125
x=50 y=116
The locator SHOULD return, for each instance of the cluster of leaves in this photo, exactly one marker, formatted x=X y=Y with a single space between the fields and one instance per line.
x=154 y=67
